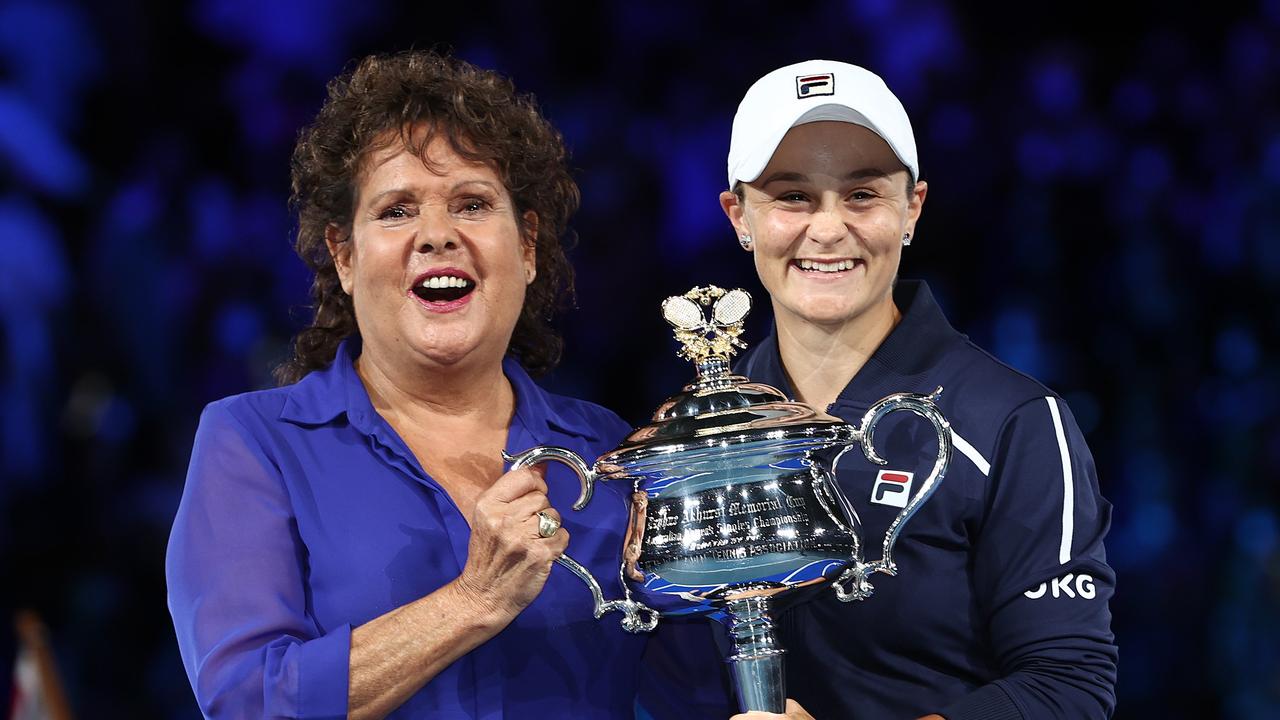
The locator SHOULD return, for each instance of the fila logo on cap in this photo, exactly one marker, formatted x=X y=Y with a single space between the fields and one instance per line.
x=892 y=487
x=815 y=85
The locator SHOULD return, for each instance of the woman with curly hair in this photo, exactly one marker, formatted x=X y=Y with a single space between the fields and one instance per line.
x=348 y=544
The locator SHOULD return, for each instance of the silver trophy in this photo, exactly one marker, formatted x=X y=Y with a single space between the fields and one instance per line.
x=733 y=500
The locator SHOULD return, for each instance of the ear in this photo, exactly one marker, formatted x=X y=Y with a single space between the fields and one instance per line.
x=734 y=210
x=340 y=251
x=915 y=204
x=529 y=245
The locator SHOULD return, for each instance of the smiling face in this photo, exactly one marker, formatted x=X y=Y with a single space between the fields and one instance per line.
x=437 y=263
x=827 y=218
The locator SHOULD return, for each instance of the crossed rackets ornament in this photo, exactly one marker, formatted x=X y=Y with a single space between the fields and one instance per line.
x=706 y=338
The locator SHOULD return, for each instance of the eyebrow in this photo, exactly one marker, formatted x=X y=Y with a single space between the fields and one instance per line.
x=413 y=189
x=784 y=177
x=867 y=173
x=375 y=199
x=859 y=174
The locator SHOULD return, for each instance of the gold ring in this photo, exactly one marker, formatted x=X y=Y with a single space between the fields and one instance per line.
x=547 y=524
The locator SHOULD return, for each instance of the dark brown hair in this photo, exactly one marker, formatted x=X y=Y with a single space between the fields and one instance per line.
x=381 y=101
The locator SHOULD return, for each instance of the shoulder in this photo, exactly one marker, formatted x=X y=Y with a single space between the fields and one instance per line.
x=587 y=418
x=249 y=409
x=991 y=404
x=988 y=384
x=570 y=415
x=253 y=421
x=238 y=449
x=926 y=348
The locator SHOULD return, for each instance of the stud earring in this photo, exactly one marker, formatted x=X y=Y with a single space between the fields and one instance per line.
x=906 y=238
x=745 y=242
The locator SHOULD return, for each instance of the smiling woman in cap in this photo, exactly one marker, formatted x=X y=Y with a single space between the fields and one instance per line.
x=999 y=608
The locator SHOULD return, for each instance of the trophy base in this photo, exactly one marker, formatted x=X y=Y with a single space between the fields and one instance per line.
x=756 y=663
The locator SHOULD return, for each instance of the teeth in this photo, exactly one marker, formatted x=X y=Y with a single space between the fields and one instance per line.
x=825 y=266
x=445 y=281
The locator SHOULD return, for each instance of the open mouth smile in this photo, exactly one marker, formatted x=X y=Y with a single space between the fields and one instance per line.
x=443 y=289
x=822 y=267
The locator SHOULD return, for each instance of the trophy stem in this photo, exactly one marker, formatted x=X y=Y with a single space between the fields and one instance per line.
x=714 y=374
x=757 y=659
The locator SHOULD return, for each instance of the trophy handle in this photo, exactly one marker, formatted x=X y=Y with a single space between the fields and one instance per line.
x=637 y=617
x=853 y=583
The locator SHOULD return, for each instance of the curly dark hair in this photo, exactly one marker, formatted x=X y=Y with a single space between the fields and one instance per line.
x=381 y=101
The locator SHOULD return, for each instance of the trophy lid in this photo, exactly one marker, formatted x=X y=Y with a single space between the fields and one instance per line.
x=719 y=406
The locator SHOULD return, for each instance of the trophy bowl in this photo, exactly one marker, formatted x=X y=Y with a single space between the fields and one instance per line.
x=734 y=501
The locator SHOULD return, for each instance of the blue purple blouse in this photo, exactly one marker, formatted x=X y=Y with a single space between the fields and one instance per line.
x=305 y=515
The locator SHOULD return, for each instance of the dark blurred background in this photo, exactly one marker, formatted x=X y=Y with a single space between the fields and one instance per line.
x=1104 y=213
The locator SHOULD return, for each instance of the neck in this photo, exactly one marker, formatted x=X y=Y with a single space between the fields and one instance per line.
x=402 y=391
x=820 y=360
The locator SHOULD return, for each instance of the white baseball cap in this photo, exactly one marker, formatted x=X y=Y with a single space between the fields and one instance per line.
x=808 y=92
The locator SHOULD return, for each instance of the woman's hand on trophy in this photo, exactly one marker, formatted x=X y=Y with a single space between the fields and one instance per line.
x=515 y=537
x=793 y=711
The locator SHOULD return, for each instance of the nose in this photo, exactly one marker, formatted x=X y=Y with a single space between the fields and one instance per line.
x=826 y=225
x=437 y=233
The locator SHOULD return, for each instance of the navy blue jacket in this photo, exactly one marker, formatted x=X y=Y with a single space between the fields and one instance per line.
x=999 y=609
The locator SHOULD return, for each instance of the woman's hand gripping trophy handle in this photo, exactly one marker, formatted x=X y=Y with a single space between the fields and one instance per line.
x=515 y=536
x=637 y=617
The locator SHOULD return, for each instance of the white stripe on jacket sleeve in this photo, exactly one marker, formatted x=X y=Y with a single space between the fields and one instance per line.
x=970 y=452
x=1068 y=484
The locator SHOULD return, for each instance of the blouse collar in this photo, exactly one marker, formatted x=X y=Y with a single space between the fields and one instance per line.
x=323 y=396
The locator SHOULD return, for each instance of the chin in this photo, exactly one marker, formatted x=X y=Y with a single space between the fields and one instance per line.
x=829 y=318
x=447 y=347
x=828 y=310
